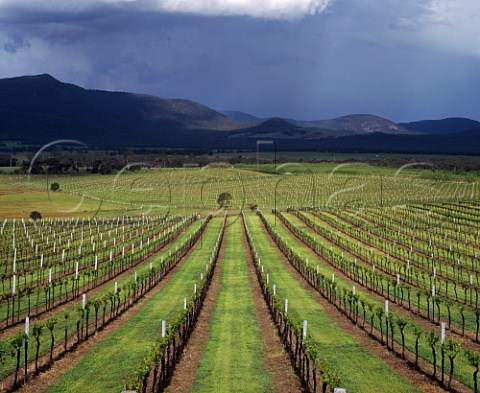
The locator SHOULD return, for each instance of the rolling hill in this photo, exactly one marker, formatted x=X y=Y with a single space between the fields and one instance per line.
x=242 y=116
x=361 y=124
x=36 y=110
x=450 y=125
x=358 y=124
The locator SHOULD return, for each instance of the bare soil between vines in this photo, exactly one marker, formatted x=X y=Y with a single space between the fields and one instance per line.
x=45 y=380
x=421 y=381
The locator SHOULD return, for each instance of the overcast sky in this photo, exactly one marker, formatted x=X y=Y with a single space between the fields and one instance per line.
x=307 y=59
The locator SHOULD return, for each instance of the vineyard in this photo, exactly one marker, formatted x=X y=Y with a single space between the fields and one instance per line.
x=200 y=188
x=295 y=281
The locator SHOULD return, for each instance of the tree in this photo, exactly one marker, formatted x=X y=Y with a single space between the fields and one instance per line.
x=35 y=215
x=223 y=199
x=54 y=186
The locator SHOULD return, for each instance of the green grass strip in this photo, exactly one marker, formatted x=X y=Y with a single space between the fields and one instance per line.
x=234 y=356
x=9 y=365
x=463 y=370
x=114 y=360
x=359 y=370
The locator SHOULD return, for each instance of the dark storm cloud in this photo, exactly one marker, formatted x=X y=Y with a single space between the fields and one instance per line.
x=16 y=44
x=404 y=60
x=61 y=26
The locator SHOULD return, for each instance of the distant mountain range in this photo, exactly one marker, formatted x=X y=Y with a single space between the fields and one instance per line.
x=367 y=124
x=39 y=109
x=242 y=116
x=354 y=124
x=444 y=126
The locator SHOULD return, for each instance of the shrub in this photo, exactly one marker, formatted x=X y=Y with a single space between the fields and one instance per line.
x=224 y=198
x=35 y=215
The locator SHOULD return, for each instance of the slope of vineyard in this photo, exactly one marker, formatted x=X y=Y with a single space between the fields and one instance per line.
x=358 y=368
x=370 y=281
x=354 y=301
x=200 y=188
x=235 y=354
x=122 y=352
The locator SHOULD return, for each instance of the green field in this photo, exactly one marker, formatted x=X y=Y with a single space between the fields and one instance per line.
x=357 y=235
x=128 y=345
x=323 y=185
x=235 y=347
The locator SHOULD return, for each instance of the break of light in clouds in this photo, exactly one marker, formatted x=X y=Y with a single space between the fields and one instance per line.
x=269 y=9
x=309 y=59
